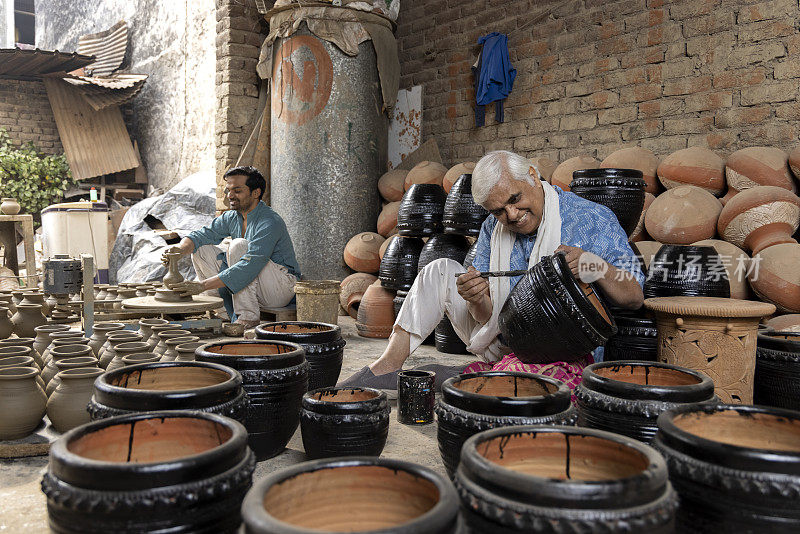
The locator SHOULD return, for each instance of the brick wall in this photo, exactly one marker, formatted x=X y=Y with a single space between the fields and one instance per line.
x=596 y=75
x=26 y=114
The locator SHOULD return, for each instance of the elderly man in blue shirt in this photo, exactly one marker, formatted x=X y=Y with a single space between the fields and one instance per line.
x=245 y=253
x=529 y=219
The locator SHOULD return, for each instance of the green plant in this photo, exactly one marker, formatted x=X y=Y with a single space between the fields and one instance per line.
x=36 y=180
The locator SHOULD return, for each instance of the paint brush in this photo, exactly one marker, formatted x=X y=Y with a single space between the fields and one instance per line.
x=498 y=273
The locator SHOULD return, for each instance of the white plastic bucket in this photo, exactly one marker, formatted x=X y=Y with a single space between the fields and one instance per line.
x=77 y=228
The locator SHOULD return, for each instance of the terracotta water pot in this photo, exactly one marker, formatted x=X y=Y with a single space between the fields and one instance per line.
x=186 y=351
x=777 y=278
x=425 y=172
x=735 y=468
x=6 y=326
x=42 y=339
x=474 y=402
x=687 y=270
x=562 y=175
x=353 y=288
x=716 y=336
x=639 y=233
x=140 y=357
x=696 y=166
x=361 y=252
x=683 y=215
x=275 y=377
x=777 y=378
x=108 y=352
x=454 y=172
x=145 y=326
x=461 y=214
x=421 y=210
x=383 y=495
x=760 y=217
x=399 y=265
x=60 y=352
x=24 y=342
x=176 y=471
x=121 y=350
x=636 y=337
x=80 y=362
x=27 y=318
x=785 y=323
x=171 y=353
x=344 y=422
x=626 y=397
x=454 y=247
x=100 y=333
x=736 y=263
x=645 y=250
x=23 y=402
x=391 y=185
x=563 y=479
x=620 y=190
x=757 y=165
x=164 y=335
x=545 y=166
x=66 y=407
x=10 y=206
x=387 y=219
x=637 y=158
x=376 y=312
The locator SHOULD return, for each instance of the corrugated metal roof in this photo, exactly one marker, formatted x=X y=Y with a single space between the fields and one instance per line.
x=33 y=63
x=108 y=47
x=119 y=80
x=104 y=92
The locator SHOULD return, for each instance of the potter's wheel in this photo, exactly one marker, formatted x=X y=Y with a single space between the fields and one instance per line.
x=198 y=303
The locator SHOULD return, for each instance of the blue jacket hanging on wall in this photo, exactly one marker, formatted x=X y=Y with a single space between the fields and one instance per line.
x=494 y=76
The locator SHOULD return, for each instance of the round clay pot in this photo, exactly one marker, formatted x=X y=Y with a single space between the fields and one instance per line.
x=562 y=175
x=100 y=333
x=715 y=336
x=361 y=252
x=683 y=215
x=620 y=190
x=376 y=312
x=353 y=288
x=470 y=257
x=777 y=378
x=687 y=270
x=637 y=158
x=461 y=214
x=153 y=340
x=164 y=335
x=563 y=479
x=639 y=233
x=23 y=402
x=24 y=342
x=171 y=353
x=421 y=210
x=440 y=246
x=571 y=318
x=275 y=377
x=474 y=402
x=387 y=219
x=57 y=336
x=455 y=172
x=22 y=360
x=34 y=297
x=346 y=421
x=627 y=396
x=446 y=339
x=6 y=326
x=391 y=185
x=755 y=166
x=140 y=357
x=545 y=167
x=80 y=362
x=145 y=326
x=383 y=495
x=760 y=217
x=42 y=339
x=382 y=249
x=696 y=166
x=398 y=268
x=785 y=323
x=176 y=471
x=121 y=350
x=108 y=351
x=27 y=318
x=60 y=352
x=10 y=206
x=735 y=468
x=186 y=351
x=322 y=342
x=777 y=278
x=636 y=337
x=425 y=172
x=66 y=407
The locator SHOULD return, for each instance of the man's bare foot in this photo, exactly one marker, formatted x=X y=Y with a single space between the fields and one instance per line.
x=382 y=366
x=248 y=324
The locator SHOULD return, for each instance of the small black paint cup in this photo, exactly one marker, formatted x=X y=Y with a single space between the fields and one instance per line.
x=415 y=397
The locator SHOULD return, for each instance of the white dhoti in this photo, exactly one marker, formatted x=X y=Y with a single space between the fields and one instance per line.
x=273 y=287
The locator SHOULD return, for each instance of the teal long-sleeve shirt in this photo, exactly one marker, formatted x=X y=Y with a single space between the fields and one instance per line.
x=267 y=237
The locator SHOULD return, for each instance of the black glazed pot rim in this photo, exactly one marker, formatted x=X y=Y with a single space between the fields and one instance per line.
x=768 y=339
x=703 y=390
x=102 y=475
x=376 y=403
x=724 y=454
x=267 y=361
x=635 y=490
x=607 y=172
x=329 y=332
x=539 y=405
x=441 y=518
x=601 y=328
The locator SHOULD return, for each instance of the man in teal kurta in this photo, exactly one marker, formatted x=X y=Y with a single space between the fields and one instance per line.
x=256 y=268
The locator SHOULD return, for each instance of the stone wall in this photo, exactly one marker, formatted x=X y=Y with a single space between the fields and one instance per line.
x=596 y=75
x=172 y=42
x=26 y=115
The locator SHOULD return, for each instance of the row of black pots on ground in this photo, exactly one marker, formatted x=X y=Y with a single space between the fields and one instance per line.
x=426 y=210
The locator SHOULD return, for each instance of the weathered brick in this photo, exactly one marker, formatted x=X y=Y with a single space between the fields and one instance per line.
x=775 y=92
x=685 y=86
x=708 y=101
x=583 y=121
x=773 y=9
x=742 y=56
x=733 y=118
x=642 y=130
x=618 y=115
x=688 y=125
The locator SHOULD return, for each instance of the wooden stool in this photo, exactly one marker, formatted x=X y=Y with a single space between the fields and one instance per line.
x=8 y=237
x=287 y=313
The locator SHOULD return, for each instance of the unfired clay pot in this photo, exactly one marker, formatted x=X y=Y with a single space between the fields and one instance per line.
x=760 y=217
x=562 y=175
x=60 y=352
x=100 y=333
x=27 y=318
x=145 y=326
x=173 y=275
x=34 y=297
x=757 y=165
x=777 y=278
x=639 y=233
x=376 y=313
x=361 y=252
x=24 y=342
x=387 y=219
x=170 y=353
x=60 y=336
x=123 y=349
x=10 y=206
x=545 y=166
x=23 y=402
x=42 y=339
x=6 y=326
x=454 y=172
x=114 y=339
x=736 y=262
x=21 y=361
x=66 y=407
x=696 y=166
x=186 y=351
x=637 y=158
x=353 y=288
x=682 y=216
x=391 y=185
x=425 y=172
x=81 y=362
x=164 y=335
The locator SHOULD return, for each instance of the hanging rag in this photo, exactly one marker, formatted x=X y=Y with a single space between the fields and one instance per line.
x=494 y=75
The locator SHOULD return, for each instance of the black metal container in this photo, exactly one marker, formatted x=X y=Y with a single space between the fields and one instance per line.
x=620 y=190
x=777 y=378
x=415 y=397
x=462 y=216
x=686 y=270
x=398 y=268
x=420 y=212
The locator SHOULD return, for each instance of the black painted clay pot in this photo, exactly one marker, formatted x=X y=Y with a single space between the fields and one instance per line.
x=398 y=268
x=439 y=246
x=571 y=320
x=620 y=190
x=468 y=259
x=563 y=479
x=462 y=215
x=777 y=379
x=147 y=387
x=474 y=402
x=360 y=494
x=176 y=471
x=627 y=397
x=686 y=270
x=420 y=211
x=344 y=421
x=636 y=337
x=736 y=468
x=446 y=339
x=275 y=377
x=322 y=342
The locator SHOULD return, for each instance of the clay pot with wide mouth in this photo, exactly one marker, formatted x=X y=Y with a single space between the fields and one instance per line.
x=171 y=353
x=563 y=479
x=420 y=212
x=687 y=270
x=474 y=402
x=275 y=377
x=347 y=421
x=760 y=217
x=58 y=336
x=636 y=337
x=322 y=342
x=36 y=298
x=140 y=357
x=23 y=402
x=186 y=351
x=59 y=352
x=627 y=397
x=66 y=406
x=180 y=471
x=164 y=335
x=79 y=362
x=440 y=246
x=27 y=318
x=777 y=378
x=6 y=326
x=100 y=333
x=736 y=468
x=462 y=215
x=145 y=326
x=151 y=386
x=381 y=495
x=571 y=318
x=109 y=351
x=22 y=361
x=7 y=351
x=120 y=350
x=42 y=333
x=155 y=329
x=376 y=313
x=620 y=190
x=24 y=342
x=353 y=288
x=400 y=263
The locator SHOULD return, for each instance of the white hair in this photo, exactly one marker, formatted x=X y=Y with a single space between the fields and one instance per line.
x=496 y=164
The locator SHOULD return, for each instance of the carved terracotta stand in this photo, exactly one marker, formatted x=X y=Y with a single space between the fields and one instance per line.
x=716 y=336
